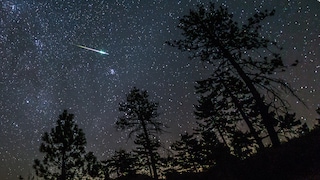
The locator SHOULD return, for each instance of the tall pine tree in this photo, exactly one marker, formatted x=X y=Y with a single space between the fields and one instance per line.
x=139 y=117
x=141 y=151
x=241 y=52
x=64 y=151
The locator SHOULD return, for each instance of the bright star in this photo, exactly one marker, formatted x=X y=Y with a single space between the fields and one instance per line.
x=112 y=71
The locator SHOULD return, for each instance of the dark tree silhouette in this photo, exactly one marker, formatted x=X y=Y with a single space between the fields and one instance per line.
x=286 y=122
x=210 y=147
x=139 y=117
x=216 y=121
x=240 y=52
x=196 y=151
x=64 y=149
x=242 y=144
x=94 y=168
x=122 y=163
x=142 y=151
x=188 y=157
x=228 y=103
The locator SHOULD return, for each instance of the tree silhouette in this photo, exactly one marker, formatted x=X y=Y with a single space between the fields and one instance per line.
x=64 y=149
x=197 y=151
x=210 y=148
x=139 y=117
x=94 y=168
x=189 y=157
x=242 y=144
x=227 y=103
x=286 y=122
x=142 y=152
x=240 y=52
x=122 y=163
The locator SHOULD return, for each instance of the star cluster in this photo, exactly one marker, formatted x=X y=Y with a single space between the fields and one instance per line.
x=44 y=72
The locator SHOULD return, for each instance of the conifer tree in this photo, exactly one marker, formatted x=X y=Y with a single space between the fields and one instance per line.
x=64 y=151
x=189 y=157
x=142 y=153
x=122 y=163
x=139 y=117
x=95 y=168
x=241 y=52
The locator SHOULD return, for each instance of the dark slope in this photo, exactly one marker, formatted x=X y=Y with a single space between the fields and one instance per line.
x=297 y=159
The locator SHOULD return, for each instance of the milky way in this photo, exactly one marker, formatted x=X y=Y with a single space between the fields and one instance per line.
x=43 y=72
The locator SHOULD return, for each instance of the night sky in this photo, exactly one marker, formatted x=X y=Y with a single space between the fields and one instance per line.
x=43 y=71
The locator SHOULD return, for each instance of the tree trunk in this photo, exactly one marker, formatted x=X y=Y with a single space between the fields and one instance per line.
x=244 y=116
x=63 y=166
x=263 y=109
x=222 y=137
x=153 y=163
x=149 y=161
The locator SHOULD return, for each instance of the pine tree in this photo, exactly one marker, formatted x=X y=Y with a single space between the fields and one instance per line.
x=189 y=157
x=95 y=168
x=141 y=151
x=225 y=103
x=240 y=52
x=289 y=127
x=197 y=151
x=210 y=147
x=139 y=117
x=242 y=145
x=122 y=163
x=64 y=149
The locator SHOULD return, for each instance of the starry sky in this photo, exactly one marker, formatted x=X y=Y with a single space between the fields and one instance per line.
x=43 y=71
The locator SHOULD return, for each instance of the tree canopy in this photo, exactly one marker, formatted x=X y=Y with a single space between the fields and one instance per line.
x=140 y=118
x=243 y=62
x=64 y=151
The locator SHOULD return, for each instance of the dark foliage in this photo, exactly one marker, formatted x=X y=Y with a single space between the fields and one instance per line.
x=242 y=144
x=122 y=163
x=242 y=85
x=143 y=154
x=64 y=152
x=140 y=118
x=188 y=157
x=198 y=152
x=296 y=159
x=95 y=168
x=225 y=101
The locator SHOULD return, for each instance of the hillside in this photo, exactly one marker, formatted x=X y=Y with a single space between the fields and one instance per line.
x=296 y=159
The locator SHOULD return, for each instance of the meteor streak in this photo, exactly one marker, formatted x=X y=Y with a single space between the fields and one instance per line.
x=91 y=49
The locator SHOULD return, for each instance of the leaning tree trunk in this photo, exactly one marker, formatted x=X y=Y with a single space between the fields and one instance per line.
x=222 y=137
x=267 y=120
x=244 y=116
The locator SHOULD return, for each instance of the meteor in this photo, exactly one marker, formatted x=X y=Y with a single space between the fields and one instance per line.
x=91 y=49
